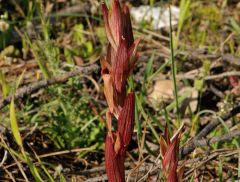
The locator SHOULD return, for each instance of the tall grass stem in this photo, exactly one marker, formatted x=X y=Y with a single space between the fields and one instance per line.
x=173 y=67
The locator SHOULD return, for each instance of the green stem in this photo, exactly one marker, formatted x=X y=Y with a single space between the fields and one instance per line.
x=173 y=68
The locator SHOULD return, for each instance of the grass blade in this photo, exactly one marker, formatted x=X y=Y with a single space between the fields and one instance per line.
x=14 y=125
x=173 y=67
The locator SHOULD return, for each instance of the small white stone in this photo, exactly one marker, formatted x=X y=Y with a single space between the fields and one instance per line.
x=157 y=16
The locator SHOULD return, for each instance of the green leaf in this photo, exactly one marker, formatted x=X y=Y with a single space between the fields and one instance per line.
x=100 y=32
x=69 y=56
x=20 y=79
x=78 y=36
x=184 y=13
x=14 y=125
x=89 y=47
x=149 y=70
x=33 y=169
x=50 y=178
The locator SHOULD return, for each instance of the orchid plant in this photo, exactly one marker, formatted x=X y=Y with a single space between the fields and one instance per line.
x=169 y=149
x=116 y=67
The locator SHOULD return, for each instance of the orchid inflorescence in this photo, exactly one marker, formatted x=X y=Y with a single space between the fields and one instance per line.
x=169 y=149
x=116 y=67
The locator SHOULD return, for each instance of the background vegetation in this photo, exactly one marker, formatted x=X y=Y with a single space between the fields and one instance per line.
x=57 y=132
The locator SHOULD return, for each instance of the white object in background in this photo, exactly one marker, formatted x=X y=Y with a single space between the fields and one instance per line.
x=157 y=16
x=3 y=26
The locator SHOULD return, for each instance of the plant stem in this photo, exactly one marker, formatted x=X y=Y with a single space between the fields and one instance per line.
x=173 y=67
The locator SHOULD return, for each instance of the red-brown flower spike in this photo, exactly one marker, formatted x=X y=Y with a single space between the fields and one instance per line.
x=121 y=55
x=116 y=68
x=169 y=150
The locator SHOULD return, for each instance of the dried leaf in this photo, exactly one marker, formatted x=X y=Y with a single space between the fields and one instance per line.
x=117 y=145
x=163 y=146
x=162 y=91
x=108 y=91
x=109 y=122
x=106 y=67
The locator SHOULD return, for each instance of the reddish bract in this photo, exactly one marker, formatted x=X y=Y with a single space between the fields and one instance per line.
x=113 y=162
x=169 y=150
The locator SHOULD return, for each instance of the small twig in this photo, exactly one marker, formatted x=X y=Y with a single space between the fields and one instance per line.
x=210 y=77
x=27 y=90
x=10 y=175
x=18 y=163
x=100 y=169
x=104 y=177
x=205 y=131
x=77 y=8
x=216 y=91
x=213 y=124
x=151 y=169
x=4 y=157
x=232 y=60
x=66 y=152
x=55 y=154
x=137 y=167
x=223 y=138
x=196 y=76
x=202 y=162
x=222 y=75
